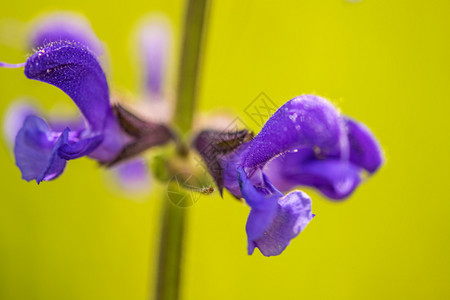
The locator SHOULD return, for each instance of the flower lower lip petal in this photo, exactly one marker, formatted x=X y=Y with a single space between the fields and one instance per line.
x=36 y=152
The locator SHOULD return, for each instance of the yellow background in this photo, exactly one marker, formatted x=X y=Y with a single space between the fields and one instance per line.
x=383 y=62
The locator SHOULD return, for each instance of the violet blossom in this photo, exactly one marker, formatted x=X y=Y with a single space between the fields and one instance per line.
x=307 y=142
x=109 y=135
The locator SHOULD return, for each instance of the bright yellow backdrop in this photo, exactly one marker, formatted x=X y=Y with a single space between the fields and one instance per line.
x=383 y=62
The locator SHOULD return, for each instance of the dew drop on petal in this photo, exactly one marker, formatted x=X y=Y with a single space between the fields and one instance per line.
x=293 y=117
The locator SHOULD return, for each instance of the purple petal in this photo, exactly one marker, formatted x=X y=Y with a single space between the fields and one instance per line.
x=75 y=70
x=80 y=148
x=335 y=178
x=65 y=26
x=229 y=164
x=154 y=40
x=292 y=215
x=365 y=151
x=274 y=219
x=59 y=122
x=113 y=143
x=14 y=117
x=305 y=121
x=36 y=150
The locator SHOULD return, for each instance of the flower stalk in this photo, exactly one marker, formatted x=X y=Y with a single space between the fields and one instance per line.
x=196 y=16
x=174 y=218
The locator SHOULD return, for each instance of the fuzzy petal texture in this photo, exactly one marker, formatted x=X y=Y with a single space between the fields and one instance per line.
x=305 y=121
x=274 y=219
x=36 y=150
x=64 y=26
x=75 y=70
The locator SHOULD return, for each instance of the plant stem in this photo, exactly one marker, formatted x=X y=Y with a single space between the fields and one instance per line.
x=174 y=218
x=170 y=251
x=190 y=58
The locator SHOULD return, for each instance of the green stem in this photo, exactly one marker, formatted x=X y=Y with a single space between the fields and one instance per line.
x=190 y=58
x=174 y=218
x=171 y=251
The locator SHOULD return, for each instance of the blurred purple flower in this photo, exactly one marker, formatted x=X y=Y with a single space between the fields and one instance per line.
x=154 y=43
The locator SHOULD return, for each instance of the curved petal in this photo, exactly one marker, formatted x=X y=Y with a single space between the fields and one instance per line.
x=75 y=70
x=274 y=219
x=58 y=122
x=64 y=26
x=365 y=150
x=292 y=215
x=335 y=178
x=305 y=121
x=36 y=150
x=79 y=148
x=154 y=44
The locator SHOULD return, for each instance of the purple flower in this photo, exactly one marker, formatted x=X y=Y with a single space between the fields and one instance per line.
x=41 y=153
x=307 y=142
x=109 y=135
x=153 y=45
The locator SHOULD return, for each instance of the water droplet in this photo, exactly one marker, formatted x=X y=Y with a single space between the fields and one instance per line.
x=293 y=117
